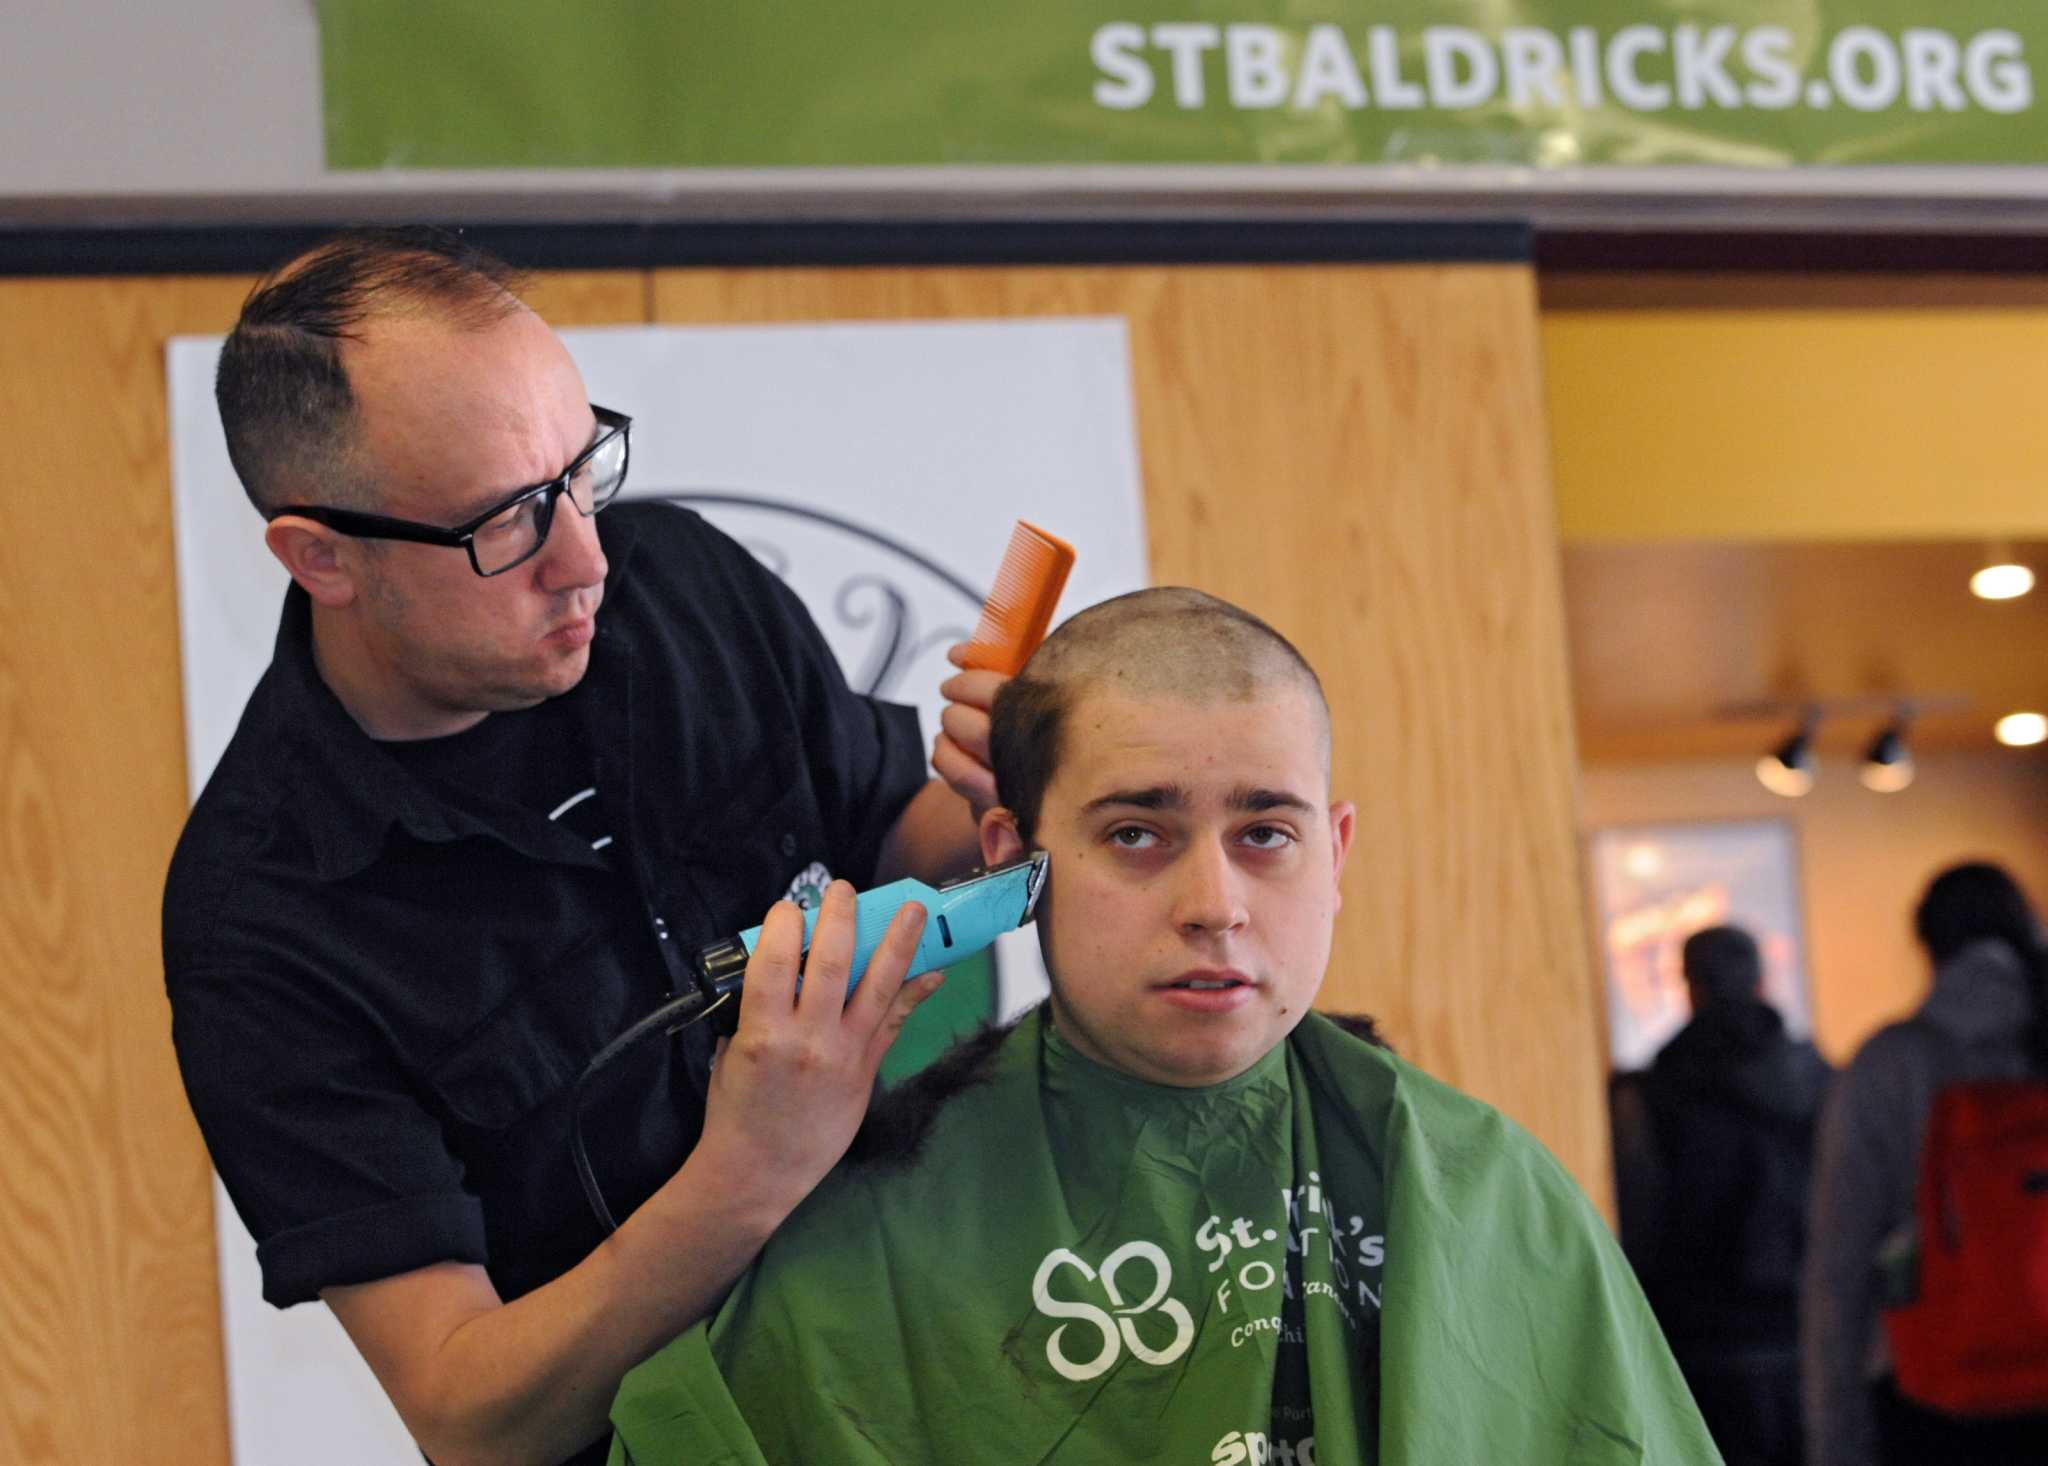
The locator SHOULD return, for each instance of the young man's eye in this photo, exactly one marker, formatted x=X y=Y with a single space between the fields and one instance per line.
x=1130 y=837
x=1267 y=837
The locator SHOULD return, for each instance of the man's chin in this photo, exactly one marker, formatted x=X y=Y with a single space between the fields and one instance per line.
x=561 y=676
x=563 y=672
x=1197 y=1066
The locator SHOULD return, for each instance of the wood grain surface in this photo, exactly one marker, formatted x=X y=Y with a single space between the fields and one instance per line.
x=112 y=1338
x=1359 y=455
x=110 y=1346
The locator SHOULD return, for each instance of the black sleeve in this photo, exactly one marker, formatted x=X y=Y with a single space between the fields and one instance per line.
x=334 y=1164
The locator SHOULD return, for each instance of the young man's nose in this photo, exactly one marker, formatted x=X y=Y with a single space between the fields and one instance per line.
x=572 y=558
x=1211 y=894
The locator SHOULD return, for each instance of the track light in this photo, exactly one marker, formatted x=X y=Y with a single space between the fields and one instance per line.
x=1888 y=766
x=1789 y=768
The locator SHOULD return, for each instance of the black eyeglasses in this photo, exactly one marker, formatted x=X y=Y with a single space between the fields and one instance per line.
x=512 y=530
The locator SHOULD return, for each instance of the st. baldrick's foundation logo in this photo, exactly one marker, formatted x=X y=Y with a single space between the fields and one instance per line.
x=1119 y=1326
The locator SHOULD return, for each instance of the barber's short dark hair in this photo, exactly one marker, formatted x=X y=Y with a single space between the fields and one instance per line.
x=1168 y=640
x=1722 y=963
x=285 y=401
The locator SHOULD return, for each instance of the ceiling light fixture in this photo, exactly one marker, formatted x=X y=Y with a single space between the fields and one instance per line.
x=2002 y=582
x=1789 y=768
x=1888 y=766
x=2021 y=730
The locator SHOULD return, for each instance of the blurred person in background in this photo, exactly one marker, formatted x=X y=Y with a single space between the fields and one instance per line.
x=1713 y=1152
x=1983 y=1019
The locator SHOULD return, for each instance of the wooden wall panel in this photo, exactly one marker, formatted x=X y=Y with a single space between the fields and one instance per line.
x=592 y=297
x=106 y=1222
x=1359 y=454
x=110 y=1344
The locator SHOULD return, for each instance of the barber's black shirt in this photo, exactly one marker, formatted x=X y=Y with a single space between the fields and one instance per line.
x=386 y=965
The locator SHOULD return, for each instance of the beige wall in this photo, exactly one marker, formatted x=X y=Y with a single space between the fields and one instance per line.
x=1864 y=857
x=1787 y=408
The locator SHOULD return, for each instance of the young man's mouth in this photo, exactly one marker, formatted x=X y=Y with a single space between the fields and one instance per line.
x=1208 y=989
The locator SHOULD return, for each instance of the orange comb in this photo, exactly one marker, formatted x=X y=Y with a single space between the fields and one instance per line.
x=1017 y=613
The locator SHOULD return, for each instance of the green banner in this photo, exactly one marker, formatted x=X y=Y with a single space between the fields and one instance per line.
x=1543 y=83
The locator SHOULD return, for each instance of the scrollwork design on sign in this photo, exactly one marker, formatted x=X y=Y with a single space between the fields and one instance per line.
x=891 y=608
x=869 y=601
x=896 y=647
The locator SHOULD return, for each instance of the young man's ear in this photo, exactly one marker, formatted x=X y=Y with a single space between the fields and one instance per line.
x=1000 y=842
x=311 y=554
x=1343 y=824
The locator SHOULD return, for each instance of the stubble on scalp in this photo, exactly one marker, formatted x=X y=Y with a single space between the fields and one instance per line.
x=1174 y=642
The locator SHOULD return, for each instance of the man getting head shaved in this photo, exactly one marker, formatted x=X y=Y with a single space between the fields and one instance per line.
x=1172 y=754
x=1173 y=1214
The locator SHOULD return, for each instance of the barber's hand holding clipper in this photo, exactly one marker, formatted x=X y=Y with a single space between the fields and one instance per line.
x=789 y=1088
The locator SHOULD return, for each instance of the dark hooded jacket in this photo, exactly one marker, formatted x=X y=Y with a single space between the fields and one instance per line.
x=1727 y=1113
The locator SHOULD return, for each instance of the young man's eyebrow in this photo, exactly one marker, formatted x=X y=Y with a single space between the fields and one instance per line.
x=1258 y=801
x=1158 y=796
x=1247 y=798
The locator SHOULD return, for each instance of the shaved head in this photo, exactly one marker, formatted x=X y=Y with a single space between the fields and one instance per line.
x=1169 y=644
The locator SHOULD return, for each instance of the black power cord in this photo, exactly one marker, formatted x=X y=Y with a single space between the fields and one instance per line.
x=670 y=1018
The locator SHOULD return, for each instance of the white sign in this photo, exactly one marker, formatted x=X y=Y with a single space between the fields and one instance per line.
x=879 y=468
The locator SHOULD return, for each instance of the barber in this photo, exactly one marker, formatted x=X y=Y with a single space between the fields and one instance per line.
x=510 y=763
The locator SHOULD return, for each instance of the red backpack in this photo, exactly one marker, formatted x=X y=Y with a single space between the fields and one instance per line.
x=1974 y=1342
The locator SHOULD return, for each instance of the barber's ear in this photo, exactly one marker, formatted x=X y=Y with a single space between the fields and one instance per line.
x=1000 y=842
x=311 y=553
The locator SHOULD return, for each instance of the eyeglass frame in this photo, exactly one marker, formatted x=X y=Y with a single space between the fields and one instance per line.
x=358 y=524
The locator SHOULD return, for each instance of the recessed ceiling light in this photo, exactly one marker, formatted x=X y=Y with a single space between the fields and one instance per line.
x=2021 y=730
x=2002 y=582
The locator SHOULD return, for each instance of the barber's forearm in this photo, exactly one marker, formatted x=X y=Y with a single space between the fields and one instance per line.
x=533 y=1380
x=934 y=838
x=477 y=1379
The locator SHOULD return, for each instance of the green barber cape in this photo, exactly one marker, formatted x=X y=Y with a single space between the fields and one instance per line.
x=1329 y=1259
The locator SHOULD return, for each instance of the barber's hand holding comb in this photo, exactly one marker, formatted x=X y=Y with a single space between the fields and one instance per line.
x=1014 y=621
